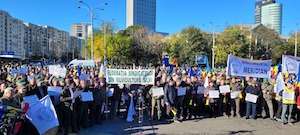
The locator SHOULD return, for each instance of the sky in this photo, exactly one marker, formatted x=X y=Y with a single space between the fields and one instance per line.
x=172 y=15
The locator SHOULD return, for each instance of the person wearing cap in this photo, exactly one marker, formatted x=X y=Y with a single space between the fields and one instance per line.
x=288 y=102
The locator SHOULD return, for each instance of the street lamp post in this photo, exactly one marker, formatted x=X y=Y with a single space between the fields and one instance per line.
x=91 y=14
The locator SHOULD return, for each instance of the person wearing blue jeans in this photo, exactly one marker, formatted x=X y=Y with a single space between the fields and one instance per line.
x=251 y=107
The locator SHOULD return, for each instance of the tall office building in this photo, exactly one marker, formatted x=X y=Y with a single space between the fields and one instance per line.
x=141 y=12
x=11 y=36
x=271 y=16
x=258 y=6
x=269 y=13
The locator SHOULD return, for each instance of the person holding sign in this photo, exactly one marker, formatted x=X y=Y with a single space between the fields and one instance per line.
x=251 y=99
x=181 y=92
x=235 y=97
x=199 y=97
x=212 y=99
x=288 y=101
x=224 y=98
x=83 y=114
x=157 y=93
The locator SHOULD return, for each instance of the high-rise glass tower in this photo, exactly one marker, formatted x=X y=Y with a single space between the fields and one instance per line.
x=141 y=12
x=269 y=13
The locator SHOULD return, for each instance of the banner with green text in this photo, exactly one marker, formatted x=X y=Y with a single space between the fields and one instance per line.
x=130 y=76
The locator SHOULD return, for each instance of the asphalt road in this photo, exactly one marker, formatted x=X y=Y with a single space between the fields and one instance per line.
x=210 y=126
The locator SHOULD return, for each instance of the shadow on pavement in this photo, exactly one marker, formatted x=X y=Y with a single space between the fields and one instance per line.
x=242 y=132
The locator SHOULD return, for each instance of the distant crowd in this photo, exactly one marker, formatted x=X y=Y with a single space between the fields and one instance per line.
x=188 y=93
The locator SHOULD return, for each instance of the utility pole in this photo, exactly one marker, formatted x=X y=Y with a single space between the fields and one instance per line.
x=296 y=43
x=213 y=51
x=250 y=44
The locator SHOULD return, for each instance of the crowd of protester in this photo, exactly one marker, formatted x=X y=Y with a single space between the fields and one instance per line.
x=74 y=114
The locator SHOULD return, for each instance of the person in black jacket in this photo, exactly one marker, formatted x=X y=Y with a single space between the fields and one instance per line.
x=66 y=108
x=251 y=107
x=170 y=94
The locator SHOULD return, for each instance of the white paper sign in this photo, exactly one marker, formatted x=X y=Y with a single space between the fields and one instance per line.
x=288 y=96
x=57 y=70
x=181 y=91
x=54 y=91
x=213 y=94
x=156 y=92
x=86 y=96
x=224 y=89
x=200 y=90
x=235 y=94
x=110 y=92
x=251 y=98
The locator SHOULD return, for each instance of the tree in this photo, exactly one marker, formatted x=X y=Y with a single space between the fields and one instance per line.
x=232 y=41
x=187 y=44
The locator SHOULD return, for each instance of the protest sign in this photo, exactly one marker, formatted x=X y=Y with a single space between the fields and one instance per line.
x=54 y=91
x=288 y=96
x=57 y=70
x=290 y=64
x=110 y=92
x=200 y=90
x=130 y=76
x=248 y=68
x=86 y=96
x=42 y=115
x=213 y=94
x=235 y=94
x=83 y=63
x=251 y=98
x=224 y=89
x=156 y=92
x=23 y=70
x=181 y=91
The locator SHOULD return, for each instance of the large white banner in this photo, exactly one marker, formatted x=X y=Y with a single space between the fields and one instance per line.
x=245 y=67
x=130 y=76
x=290 y=64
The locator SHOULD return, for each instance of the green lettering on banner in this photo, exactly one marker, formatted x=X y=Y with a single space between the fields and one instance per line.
x=129 y=76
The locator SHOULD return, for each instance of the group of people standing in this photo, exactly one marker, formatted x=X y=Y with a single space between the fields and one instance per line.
x=186 y=95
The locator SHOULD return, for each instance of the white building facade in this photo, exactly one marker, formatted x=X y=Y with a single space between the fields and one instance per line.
x=12 y=33
x=271 y=16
